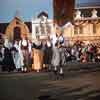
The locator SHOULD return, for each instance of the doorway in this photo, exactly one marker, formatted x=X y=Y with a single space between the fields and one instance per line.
x=17 y=33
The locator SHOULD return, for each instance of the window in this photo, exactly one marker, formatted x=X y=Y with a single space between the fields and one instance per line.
x=48 y=29
x=76 y=30
x=37 y=30
x=94 y=28
x=17 y=33
x=81 y=29
x=17 y=22
x=42 y=28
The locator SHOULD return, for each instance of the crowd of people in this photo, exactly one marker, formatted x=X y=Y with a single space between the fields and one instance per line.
x=82 y=52
x=15 y=55
x=18 y=55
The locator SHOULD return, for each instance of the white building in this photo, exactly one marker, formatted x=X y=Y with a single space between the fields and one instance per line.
x=42 y=26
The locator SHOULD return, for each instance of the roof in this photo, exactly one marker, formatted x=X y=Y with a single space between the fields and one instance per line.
x=3 y=27
x=42 y=13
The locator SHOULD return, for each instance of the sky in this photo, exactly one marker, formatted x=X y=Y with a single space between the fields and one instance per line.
x=25 y=8
x=28 y=8
x=87 y=1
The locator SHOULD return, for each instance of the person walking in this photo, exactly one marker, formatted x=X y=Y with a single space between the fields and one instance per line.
x=58 y=57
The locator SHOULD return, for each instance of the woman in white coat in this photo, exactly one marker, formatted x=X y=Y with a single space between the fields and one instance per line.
x=18 y=58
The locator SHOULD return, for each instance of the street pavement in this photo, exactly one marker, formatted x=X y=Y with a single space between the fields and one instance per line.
x=81 y=82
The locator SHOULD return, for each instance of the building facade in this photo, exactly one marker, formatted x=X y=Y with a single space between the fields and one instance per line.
x=42 y=26
x=81 y=22
x=85 y=29
x=16 y=29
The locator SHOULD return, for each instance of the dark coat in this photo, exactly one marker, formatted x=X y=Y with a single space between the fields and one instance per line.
x=8 y=63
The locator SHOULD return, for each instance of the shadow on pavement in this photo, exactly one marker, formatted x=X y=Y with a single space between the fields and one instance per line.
x=84 y=92
x=45 y=97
